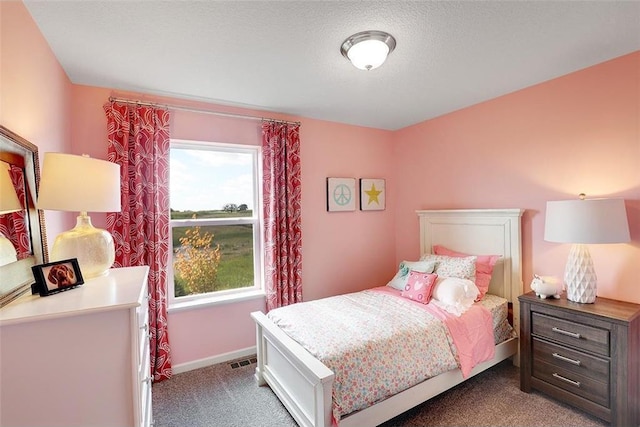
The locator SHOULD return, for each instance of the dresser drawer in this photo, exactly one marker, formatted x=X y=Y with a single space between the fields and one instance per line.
x=147 y=414
x=570 y=360
x=144 y=377
x=142 y=315
x=142 y=312
x=576 y=334
x=594 y=391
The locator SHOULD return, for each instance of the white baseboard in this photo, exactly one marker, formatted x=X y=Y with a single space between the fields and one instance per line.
x=214 y=360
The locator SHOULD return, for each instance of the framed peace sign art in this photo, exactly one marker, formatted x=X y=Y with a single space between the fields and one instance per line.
x=341 y=194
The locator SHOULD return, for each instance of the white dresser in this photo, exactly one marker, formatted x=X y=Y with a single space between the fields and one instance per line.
x=78 y=358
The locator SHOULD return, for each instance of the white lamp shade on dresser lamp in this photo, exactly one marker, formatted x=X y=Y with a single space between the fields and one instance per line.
x=81 y=184
x=9 y=202
x=582 y=222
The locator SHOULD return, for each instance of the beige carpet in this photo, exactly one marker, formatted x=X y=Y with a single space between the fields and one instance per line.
x=222 y=396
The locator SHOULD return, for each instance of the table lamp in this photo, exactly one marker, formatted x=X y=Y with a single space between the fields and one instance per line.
x=82 y=184
x=582 y=222
x=9 y=202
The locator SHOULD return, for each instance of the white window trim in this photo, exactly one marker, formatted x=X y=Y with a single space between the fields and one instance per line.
x=231 y=295
x=209 y=300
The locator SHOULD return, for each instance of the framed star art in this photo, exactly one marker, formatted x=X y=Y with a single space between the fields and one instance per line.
x=372 y=194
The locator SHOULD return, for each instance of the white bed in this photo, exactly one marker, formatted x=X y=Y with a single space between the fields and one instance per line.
x=304 y=385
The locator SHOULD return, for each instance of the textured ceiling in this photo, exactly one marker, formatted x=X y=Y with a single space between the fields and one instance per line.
x=284 y=56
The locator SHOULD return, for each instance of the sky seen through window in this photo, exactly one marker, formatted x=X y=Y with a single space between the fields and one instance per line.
x=208 y=180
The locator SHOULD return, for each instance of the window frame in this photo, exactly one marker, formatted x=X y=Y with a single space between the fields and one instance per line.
x=256 y=220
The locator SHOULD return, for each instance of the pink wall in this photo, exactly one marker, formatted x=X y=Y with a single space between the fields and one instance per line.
x=548 y=142
x=34 y=92
x=343 y=252
x=578 y=133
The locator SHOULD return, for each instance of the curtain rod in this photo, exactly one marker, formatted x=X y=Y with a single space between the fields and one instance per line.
x=199 y=110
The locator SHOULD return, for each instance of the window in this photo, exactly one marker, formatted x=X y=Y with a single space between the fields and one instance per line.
x=215 y=221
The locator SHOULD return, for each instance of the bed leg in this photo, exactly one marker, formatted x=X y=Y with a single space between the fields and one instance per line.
x=259 y=356
x=259 y=378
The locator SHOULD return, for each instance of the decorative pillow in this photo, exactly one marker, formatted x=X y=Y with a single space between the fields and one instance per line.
x=419 y=286
x=454 y=295
x=399 y=281
x=484 y=267
x=447 y=266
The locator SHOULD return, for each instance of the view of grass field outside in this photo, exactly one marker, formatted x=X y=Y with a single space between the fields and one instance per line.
x=212 y=223
x=226 y=260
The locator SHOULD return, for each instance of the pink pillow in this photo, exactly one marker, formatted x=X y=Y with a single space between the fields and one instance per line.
x=419 y=286
x=484 y=267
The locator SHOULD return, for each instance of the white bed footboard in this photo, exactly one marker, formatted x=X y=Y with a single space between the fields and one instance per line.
x=302 y=383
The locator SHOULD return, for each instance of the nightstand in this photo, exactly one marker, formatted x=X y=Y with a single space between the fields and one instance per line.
x=586 y=355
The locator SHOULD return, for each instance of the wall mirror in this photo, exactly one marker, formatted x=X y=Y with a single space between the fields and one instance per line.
x=23 y=241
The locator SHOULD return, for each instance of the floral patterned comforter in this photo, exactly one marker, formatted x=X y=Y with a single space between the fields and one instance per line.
x=376 y=343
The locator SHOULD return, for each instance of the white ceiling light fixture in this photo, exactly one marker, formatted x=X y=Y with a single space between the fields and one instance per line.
x=368 y=50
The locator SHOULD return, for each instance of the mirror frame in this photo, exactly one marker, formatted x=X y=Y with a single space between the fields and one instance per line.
x=16 y=278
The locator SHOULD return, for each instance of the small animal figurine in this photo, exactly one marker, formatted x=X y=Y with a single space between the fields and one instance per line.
x=546 y=286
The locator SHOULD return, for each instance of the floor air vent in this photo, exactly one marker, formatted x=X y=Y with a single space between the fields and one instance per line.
x=244 y=362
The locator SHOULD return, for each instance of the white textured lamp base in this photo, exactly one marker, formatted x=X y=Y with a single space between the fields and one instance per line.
x=93 y=247
x=580 y=276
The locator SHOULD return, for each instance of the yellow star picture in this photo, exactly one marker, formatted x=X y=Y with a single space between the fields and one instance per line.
x=372 y=194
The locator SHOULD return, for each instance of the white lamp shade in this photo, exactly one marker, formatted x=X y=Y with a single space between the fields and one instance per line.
x=368 y=54
x=586 y=221
x=9 y=201
x=79 y=184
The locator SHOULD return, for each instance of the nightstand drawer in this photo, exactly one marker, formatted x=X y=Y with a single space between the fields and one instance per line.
x=573 y=361
x=575 y=334
x=594 y=391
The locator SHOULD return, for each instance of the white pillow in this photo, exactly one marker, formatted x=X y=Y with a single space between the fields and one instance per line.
x=454 y=295
x=399 y=281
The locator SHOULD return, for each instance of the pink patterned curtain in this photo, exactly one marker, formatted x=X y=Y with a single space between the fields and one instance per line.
x=139 y=143
x=13 y=225
x=283 y=233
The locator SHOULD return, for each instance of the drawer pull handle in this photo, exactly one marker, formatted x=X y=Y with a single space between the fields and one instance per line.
x=572 y=382
x=567 y=359
x=563 y=332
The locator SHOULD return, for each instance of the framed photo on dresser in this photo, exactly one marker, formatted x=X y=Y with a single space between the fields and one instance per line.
x=57 y=276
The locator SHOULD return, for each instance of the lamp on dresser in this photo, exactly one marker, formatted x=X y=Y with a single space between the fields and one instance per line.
x=81 y=184
x=9 y=202
x=581 y=222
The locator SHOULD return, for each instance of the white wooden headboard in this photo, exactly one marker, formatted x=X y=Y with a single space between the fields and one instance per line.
x=481 y=232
